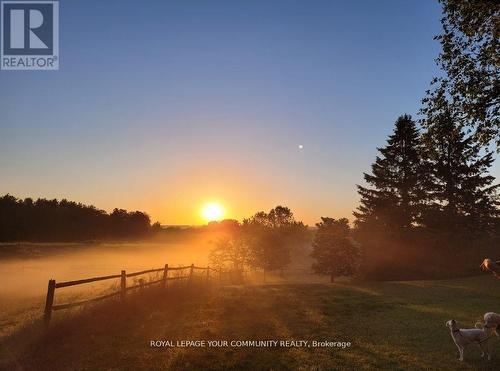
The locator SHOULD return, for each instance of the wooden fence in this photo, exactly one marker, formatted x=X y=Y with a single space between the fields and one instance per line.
x=53 y=285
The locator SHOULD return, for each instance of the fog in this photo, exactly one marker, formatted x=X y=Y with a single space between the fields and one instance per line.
x=25 y=276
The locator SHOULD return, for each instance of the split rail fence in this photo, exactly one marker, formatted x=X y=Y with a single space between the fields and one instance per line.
x=53 y=285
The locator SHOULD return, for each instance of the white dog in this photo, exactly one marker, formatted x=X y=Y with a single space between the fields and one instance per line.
x=464 y=337
x=492 y=322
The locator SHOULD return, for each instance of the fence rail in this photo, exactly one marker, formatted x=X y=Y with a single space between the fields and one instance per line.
x=53 y=285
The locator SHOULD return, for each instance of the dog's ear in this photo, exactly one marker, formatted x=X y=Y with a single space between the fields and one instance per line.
x=453 y=322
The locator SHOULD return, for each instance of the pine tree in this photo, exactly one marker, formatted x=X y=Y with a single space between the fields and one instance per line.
x=396 y=194
x=463 y=191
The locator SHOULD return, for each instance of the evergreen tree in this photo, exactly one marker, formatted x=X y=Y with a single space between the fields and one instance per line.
x=463 y=191
x=397 y=182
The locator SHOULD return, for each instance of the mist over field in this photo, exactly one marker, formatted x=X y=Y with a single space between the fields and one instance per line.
x=250 y=185
x=25 y=278
x=26 y=268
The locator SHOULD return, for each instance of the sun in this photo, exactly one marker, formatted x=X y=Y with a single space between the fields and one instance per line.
x=212 y=211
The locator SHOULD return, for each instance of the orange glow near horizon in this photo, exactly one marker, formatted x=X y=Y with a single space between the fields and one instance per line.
x=212 y=211
x=178 y=196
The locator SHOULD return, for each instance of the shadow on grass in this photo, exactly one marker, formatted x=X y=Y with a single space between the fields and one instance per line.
x=99 y=335
x=391 y=326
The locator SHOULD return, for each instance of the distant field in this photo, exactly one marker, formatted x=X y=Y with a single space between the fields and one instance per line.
x=392 y=326
x=25 y=269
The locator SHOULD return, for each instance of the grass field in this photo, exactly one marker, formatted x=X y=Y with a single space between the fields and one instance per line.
x=25 y=268
x=391 y=325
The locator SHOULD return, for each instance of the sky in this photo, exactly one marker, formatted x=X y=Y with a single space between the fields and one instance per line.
x=163 y=106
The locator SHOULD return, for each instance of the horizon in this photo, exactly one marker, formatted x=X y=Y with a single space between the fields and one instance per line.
x=286 y=108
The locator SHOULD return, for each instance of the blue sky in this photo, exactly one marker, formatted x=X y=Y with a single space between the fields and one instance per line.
x=164 y=105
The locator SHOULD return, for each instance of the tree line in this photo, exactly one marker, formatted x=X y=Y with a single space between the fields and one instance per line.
x=53 y=220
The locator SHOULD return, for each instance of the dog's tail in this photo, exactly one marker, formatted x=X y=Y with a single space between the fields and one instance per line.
x=491 y=330
x=479 y=325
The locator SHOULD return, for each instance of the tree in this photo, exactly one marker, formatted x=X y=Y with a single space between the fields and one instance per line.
x=156 y=228
x=397 y=179
x=230 y=253
x=53 y=220
x=463 y=191
x=469 y=57
x=226 y=225
x=263 y=241
x=334 y=251
x=271 y=236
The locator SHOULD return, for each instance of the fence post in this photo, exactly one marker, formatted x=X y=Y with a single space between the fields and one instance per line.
x=123 y=285
x=220 y=274
x=49 y=301
x=208 y=273
x=141 y=285
x=191 y=272
x=165 y=275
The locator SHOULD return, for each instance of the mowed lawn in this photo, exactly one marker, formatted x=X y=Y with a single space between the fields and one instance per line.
x=391 y=325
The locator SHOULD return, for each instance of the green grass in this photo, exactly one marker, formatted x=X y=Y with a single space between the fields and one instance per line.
x=392 y=326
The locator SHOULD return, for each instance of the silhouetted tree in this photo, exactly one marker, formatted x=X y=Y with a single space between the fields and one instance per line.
x=463 y=191
x=397 y=192
x=334 y=251
x=469 y=58
x=53 y=220
x=227 y=225
x=129 y=224
x=271 y=236
x=156 y=227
